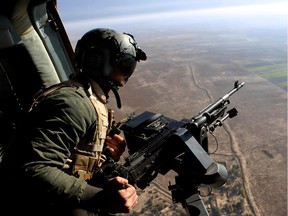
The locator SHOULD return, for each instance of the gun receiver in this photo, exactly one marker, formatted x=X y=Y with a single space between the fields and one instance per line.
x=158 y=144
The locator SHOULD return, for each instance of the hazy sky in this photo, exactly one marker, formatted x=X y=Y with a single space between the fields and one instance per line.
x=81 y=16
x=85 y=9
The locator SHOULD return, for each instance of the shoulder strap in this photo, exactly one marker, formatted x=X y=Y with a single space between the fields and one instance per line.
x=44 y=92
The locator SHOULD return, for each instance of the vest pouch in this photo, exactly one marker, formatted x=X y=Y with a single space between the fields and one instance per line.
x=85 y=164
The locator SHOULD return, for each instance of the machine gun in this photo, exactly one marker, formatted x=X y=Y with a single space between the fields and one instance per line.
x=157 y=144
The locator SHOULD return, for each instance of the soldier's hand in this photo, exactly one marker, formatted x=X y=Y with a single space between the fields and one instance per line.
x=116 y=145
x=121 y=195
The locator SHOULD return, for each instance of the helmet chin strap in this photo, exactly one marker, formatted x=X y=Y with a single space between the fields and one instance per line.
x=115 y=88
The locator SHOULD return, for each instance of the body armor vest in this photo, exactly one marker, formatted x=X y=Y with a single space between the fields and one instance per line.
x=87 y=155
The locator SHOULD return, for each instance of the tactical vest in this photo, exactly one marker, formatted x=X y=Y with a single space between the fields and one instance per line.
x=87 y=155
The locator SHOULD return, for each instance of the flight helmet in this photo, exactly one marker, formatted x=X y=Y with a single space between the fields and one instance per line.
x=100 y=51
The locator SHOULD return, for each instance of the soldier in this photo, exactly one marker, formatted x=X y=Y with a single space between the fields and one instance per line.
x=48 y=169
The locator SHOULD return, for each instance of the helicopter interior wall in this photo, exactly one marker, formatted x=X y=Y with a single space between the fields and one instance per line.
x=19 y=80
x=33 y=55
x=46 y=28
x=21 y=20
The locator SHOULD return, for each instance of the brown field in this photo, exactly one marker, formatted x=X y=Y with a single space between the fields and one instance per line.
x=194 y=70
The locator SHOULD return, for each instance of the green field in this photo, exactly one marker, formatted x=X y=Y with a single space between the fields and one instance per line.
x=274 y=72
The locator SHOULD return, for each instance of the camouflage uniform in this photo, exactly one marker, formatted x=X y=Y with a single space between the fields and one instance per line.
x=61 y=121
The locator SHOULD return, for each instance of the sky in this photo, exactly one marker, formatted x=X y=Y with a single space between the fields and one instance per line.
x=81 y=16
x=85 y=9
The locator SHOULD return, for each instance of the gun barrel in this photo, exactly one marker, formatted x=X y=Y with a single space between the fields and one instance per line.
x=221 y=101
x=237 y=86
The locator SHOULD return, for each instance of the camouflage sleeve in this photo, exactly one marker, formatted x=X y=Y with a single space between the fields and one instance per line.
x=53 y=129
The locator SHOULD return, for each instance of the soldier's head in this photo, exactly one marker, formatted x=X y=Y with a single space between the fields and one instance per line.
x=107 y=56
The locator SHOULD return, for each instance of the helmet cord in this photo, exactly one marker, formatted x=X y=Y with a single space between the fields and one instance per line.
x=114 y=88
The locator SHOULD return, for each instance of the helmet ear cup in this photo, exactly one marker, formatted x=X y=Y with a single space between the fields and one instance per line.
x=96 y=62
x=115 y=60
x=93 y=58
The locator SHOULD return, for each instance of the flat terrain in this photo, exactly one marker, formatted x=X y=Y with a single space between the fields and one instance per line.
x=186 y=71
